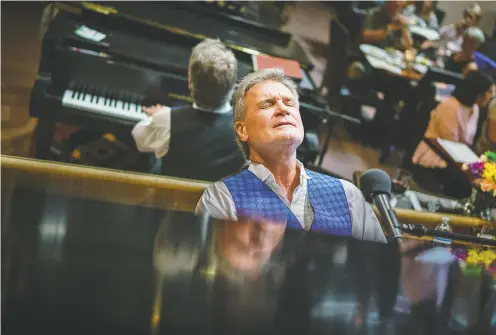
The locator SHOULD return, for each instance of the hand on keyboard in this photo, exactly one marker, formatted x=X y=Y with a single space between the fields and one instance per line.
x=152 y=109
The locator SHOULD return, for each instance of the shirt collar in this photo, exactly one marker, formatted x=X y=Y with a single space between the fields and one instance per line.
x=263 y=173
x=226 y=108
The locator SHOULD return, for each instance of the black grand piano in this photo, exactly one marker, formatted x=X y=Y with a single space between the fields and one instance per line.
x=100 y=64
x=91 y=251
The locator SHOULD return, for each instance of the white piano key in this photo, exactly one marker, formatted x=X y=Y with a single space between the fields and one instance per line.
x=102 y=105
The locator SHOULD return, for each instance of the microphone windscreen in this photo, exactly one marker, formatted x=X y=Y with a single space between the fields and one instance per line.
x=375 y=181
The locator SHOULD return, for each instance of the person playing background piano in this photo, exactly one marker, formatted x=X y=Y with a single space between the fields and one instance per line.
x=276 y=186
x=197 y=141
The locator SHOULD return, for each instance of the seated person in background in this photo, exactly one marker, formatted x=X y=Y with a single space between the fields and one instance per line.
x=487 y=139
x=276 y=187
x=464 y=61
x=455 y=119
x=422 y=14
x=451 y=36
x=197 y=141
x=385 y=27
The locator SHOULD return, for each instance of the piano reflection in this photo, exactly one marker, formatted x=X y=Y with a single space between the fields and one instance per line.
x=86 y=262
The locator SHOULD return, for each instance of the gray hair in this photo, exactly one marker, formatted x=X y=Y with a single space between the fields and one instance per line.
x=476 y=34
x=213 y=71
x=248 y=82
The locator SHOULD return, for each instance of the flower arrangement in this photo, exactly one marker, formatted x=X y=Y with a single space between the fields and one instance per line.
x=484 y=172
x=475 y=260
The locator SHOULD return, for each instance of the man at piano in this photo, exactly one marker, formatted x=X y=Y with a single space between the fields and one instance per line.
x=276 y=187
x=197 y=141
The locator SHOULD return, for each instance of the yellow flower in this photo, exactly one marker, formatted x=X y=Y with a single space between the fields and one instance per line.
x=489 y=173
x=483 y=158
x=486 y=257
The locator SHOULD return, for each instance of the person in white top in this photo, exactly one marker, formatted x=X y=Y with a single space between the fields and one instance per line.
x=451 y=36
x=269 y=129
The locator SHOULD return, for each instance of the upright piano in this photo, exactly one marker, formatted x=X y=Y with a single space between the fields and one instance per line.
x=99 y=65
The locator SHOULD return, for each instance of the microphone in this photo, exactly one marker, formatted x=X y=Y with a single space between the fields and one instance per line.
x=375 y=185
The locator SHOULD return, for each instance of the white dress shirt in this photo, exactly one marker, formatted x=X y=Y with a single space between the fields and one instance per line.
x=217 y=201
x=450 y=38
x=153 y=134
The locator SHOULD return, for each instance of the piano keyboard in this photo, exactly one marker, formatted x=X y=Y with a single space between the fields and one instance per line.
x=103 y=105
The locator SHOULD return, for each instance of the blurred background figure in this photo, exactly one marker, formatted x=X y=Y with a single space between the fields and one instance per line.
x=455 y=119
x=423 y=14
x=464 y=60
x=386 y=26
x=452 y=35
x=487 y=139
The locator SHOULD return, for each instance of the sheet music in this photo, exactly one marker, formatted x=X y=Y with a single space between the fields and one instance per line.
x=459 y=152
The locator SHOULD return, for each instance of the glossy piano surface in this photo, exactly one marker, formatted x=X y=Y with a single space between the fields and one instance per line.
x=93 y=262
x=195 y=26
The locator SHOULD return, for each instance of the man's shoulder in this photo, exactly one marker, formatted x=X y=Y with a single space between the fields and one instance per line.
x=221 y=185
x=216 y=186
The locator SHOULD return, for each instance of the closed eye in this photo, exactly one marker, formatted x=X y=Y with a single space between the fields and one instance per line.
x=289 y=102
x=266 y=103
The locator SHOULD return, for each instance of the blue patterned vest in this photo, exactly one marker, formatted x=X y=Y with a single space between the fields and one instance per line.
x=253 y=198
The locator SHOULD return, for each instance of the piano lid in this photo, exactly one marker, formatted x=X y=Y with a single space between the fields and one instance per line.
x=158 y=54
x=159 y=19
x=75 y=264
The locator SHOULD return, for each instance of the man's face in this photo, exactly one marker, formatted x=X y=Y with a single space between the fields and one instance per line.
x=247 y=245
x=484 y=99
x=468 y=20
x=255 y=237
x=392 y=8
x=272 y=117
x=427 y=6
